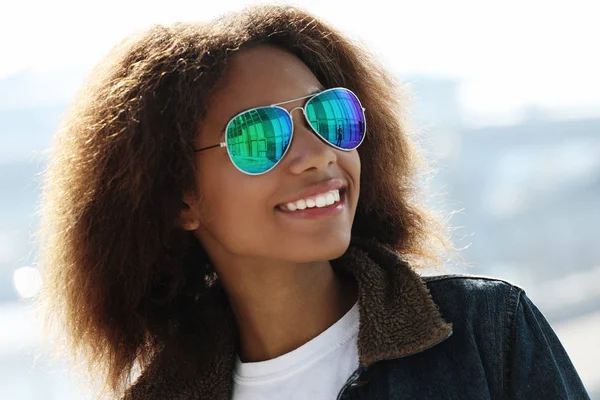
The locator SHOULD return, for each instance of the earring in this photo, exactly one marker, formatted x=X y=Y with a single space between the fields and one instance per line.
x=190 y=225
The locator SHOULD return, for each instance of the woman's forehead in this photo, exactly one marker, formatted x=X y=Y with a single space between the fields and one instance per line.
x=261 y=76
x=266 y=75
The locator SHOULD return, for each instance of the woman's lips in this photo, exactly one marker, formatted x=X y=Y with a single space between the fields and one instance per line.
x=319 y=188
x=315 y=212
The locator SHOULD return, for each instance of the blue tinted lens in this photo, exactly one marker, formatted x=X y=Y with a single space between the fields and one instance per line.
x=338 y=117
x=257 y=139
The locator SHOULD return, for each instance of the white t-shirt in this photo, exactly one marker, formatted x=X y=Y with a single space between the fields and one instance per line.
x=317 y=370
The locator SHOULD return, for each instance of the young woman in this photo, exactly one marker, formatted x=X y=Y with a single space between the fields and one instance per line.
x=232 y=209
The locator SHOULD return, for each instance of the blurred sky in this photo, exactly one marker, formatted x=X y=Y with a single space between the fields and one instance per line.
x=509 y=55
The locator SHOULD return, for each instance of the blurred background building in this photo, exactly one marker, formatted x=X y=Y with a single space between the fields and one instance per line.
x=525 y=182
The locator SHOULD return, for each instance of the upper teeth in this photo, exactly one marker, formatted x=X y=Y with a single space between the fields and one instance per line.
x=320 y=200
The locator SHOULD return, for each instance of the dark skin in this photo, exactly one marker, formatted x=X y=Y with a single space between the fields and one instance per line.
x=275 y=269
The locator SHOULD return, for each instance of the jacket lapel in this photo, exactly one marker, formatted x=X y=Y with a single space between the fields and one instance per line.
x=397 y=314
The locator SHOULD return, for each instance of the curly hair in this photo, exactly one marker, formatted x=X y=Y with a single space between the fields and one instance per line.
x=120 y=276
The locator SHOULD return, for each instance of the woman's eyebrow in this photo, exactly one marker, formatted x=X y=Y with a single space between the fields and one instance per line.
x=317 y=90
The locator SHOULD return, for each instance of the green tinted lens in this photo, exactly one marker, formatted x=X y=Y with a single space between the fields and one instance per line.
x=257 y=139
x=338 y=117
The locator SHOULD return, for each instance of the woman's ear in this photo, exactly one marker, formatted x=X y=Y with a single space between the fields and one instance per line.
x=189 y=216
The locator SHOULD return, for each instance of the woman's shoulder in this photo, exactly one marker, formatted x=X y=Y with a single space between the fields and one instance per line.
x=497 y=318
x=471 y=288
x=469 y=282
x=475 y=299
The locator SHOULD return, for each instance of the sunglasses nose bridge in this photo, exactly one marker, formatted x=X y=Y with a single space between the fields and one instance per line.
x=303 y=117
x=296 y=108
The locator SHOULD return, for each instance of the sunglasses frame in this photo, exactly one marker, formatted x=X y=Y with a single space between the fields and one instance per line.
x=289 y=113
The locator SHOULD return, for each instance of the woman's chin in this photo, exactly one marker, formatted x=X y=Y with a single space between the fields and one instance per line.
x=320 y=250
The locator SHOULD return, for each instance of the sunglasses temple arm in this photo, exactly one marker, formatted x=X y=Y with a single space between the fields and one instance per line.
x=222 y=144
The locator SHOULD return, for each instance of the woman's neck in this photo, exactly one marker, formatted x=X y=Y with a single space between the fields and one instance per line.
x=279 y=308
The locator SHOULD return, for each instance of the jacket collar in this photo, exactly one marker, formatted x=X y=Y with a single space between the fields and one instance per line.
x=397 y=318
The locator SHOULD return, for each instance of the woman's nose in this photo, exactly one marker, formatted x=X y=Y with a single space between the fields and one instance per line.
x=307 y=150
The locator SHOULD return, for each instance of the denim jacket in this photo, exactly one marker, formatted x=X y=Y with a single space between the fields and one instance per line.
x=442 y=337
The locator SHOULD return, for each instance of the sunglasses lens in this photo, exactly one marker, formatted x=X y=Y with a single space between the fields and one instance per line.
x=257 y=139
x=338 y=117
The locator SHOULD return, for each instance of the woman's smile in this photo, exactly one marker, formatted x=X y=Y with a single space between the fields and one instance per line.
x=322 y=199
x=312 y=209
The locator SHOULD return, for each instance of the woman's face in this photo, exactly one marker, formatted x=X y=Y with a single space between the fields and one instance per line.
x=238 y=214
